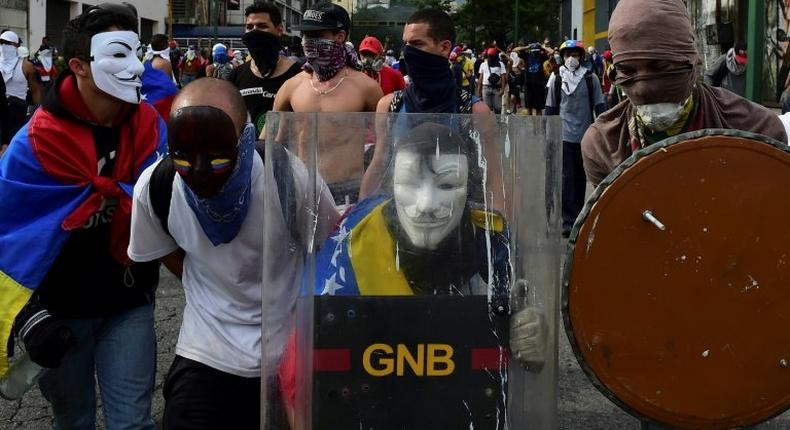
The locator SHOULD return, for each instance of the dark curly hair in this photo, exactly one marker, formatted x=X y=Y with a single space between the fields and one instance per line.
x=98 y=19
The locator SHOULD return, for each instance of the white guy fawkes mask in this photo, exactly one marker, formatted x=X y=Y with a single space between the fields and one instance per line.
x=430 y=195
x=114 y=64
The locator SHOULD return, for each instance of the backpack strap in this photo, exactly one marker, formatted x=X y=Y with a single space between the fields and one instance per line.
x=397 y=101
x=160 y=187
x=590 y=95
x=557 y=90
x=160 y=190
x=286 y=187
x=463 y=100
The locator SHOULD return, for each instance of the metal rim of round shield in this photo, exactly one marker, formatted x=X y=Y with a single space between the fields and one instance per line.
x=654 y=266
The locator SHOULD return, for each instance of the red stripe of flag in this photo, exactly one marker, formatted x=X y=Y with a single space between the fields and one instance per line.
x=489 y=358
x=332 y=360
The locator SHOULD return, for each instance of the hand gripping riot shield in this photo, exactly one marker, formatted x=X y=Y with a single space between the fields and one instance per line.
x=426 y=290
x=676 y=282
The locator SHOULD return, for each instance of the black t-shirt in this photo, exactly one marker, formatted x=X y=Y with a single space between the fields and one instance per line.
x=533 y=66
x=258 y=92
x=85 y=281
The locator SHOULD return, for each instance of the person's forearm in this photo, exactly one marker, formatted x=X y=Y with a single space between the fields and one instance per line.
x=174 y=262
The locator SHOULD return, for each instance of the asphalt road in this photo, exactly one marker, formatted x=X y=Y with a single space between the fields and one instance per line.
x=581 y=406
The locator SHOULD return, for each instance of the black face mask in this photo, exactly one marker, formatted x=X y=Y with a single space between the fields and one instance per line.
x=264 y=48
x=433 y=87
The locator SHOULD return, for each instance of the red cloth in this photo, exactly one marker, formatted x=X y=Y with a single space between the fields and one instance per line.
x=70 y=157
x=163 y=107
x=287 y=373
x=391 y=80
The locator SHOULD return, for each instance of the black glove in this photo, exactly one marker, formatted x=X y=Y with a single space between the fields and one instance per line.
x=47 y=339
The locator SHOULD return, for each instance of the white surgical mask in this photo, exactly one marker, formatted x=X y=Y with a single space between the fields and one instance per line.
x=572 y=63
x=660 y=116
x=114 y=64
x=430 y=195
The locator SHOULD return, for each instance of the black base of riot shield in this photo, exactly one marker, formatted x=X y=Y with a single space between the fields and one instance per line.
x=425 y=362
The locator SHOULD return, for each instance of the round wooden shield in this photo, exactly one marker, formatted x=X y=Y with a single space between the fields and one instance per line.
x=677 y=282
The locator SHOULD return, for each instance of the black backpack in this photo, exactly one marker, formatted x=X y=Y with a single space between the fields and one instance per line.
x=160 y=187
x=590 y=95
x=494 y=79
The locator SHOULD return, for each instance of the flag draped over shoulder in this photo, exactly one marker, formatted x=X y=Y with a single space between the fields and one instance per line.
x=49 y=185
x=158 y=89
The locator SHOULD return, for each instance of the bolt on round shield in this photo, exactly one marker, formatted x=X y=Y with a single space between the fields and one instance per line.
x=677 y=282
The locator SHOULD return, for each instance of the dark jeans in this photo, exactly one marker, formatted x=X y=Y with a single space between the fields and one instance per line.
x=574 y=183
x=200 y=397
x=15 y=118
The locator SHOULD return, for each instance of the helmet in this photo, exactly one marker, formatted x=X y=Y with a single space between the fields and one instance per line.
x=572 y=44
x=219 y=49
x=491 y=51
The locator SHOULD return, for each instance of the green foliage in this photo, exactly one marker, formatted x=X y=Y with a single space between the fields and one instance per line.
x=487 y=20
x=421 y=4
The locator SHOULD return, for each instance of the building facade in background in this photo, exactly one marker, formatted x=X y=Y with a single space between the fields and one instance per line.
x=717 y=23
x=34 y=19
x=203 y=22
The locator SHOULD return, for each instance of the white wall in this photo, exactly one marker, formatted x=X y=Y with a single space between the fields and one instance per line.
x=155 y=10
x=577 y=19
x=38 y=25
x=14 y=20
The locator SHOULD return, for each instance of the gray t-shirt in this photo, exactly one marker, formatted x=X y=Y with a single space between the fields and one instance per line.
x=575 y=108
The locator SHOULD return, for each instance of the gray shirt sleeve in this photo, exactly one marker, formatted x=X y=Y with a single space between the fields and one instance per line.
x=597 y=91
x=550 y=87
x=714 y=70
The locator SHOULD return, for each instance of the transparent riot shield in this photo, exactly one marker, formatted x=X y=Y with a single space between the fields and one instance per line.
x=414 y=286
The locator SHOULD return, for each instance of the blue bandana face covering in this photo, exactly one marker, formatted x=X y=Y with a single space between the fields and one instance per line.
x=221 y=216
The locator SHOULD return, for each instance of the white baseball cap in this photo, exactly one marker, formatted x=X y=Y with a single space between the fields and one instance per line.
x=10 y=36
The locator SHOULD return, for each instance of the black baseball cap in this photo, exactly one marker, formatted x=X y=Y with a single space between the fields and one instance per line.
x=325 y=16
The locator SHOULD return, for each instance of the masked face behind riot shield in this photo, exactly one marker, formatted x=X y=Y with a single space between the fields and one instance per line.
x=434 y=351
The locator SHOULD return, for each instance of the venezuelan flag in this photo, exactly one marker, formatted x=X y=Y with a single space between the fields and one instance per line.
x=35 y=202
x=158 y=89
x=359 y=258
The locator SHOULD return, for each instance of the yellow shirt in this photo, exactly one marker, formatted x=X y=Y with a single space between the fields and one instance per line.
x=468 y=69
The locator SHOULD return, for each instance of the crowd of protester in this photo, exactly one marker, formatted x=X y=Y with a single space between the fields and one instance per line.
x=66 y=111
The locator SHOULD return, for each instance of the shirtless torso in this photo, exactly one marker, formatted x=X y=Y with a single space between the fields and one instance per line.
x=348 y=91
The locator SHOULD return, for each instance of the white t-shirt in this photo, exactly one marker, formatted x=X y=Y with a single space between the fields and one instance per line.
x=223 y=284
x=785 y=118
x=515 y=59
x=486 y=71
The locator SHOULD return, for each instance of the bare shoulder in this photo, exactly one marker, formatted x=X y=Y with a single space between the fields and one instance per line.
x=161 y=64
x=480 y=107
x=295 y=81
x=383 y=105
x=28 y=67
x=299 y=78
x=362 y=80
